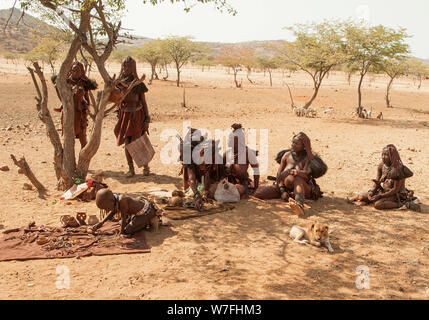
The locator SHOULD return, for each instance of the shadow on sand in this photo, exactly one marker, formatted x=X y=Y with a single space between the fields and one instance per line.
x=139 y=177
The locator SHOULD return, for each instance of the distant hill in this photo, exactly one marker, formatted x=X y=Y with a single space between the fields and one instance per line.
x=22 y=37
x=262 y=48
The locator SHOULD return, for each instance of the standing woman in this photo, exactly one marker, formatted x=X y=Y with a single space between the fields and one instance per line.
x=81 y=85
x=133 y=116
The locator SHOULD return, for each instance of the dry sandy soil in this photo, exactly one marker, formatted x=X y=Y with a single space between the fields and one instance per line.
x=244 y=253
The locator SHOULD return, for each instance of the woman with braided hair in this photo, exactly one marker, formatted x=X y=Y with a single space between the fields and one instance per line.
x=389 y=190
x=238 y=158
x=295 y=180
x=81 y=85
x=200 y=178
x=133 y=115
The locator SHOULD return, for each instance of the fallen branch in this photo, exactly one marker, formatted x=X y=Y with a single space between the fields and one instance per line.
x=23 y=165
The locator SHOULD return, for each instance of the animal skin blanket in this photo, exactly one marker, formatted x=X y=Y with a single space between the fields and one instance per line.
x=32 y=242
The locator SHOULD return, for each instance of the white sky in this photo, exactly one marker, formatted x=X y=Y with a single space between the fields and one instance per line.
x=265 y=19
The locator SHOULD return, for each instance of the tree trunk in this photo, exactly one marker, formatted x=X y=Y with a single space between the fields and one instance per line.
x=52 y=67
x=359 y=108
x=235 y=78
x=178 y=77
x=316 y=91
x=271 y=78
x=89 y=151
x=420 y=82
x=45 y=117
x=389 y=86
x=153 y=72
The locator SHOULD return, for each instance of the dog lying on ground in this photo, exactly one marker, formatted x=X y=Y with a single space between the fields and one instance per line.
x=315 y=234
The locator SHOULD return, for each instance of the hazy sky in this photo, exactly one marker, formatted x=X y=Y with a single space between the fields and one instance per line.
x=265 y=19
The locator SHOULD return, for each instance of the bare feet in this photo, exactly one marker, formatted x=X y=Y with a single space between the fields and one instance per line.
x=297 y=208
x=130 y=174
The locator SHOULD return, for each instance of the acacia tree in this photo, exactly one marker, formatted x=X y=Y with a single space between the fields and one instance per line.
x=206 y=61
x=164 y=62
x=268 y=65
x=180 y=50
x=419 y=70
x=316 y=50
x=369 y=47
x=88 y=21
x=150 y=52
x=119 y=55
x=248 y=61
x=284 y=65
x=234 y=58
x=10 y=56
x=48 y=51
x=393 y=68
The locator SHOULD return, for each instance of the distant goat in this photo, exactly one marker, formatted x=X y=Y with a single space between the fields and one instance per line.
x=328 y=111
x=304 y=112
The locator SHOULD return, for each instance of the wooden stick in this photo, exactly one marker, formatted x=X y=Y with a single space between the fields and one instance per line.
x=133 y=84
x=23 y=165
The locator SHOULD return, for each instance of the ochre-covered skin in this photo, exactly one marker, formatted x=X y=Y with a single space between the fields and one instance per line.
x=389 y=190
x=81 y=85
x=133 y=115
x=294 y=176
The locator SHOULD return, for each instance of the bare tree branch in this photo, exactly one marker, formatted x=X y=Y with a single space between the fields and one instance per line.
x=10 y=16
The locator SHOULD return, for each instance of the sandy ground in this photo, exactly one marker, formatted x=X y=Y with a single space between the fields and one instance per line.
x=245 y=253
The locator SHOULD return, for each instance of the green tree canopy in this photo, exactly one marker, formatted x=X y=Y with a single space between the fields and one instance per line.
x=268 y=65
x=150 y=52
x=180 y=50
x=370 y=47
x=317 y=49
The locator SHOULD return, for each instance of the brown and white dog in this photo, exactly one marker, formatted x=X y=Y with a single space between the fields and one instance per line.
x=315 y=234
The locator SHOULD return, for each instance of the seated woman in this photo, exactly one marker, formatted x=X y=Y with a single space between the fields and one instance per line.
x=389 y=190
x=136 y=215
x=199 y=180
x=236 y=168
x=295 y=180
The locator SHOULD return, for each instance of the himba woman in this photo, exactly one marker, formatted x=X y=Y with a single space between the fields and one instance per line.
x=202 y=175
x=81 y=86
x=295 y=180
x=389 y=190
x=133 y=115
